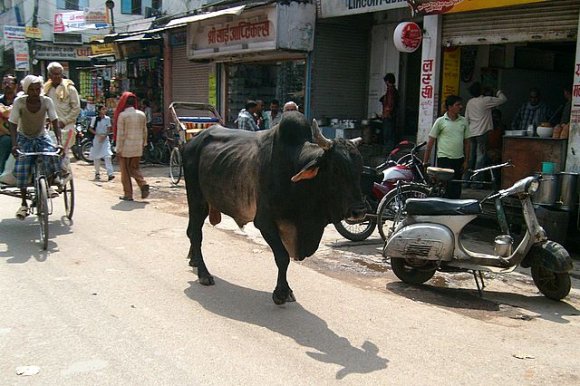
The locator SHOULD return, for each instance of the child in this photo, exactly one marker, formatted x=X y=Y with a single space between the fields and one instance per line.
x=101 y=127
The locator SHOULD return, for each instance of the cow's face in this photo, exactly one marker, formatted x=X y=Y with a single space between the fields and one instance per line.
x=338 y=172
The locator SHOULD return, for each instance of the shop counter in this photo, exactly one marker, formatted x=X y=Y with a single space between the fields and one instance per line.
x=527 y=155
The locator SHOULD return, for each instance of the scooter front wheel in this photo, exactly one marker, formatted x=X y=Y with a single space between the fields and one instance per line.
x=553 y=285
x=412 y=271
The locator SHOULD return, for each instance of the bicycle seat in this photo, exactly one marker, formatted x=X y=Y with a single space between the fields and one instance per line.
x=440 y=174
x=433 y=206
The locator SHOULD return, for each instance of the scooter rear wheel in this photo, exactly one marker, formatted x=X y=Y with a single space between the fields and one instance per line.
x=553 y=285
x=412 y=271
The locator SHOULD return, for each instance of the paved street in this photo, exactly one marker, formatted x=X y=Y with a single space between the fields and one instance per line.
x=113 y=301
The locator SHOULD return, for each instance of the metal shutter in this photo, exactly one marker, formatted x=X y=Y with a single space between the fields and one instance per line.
x=190 y=80
x=340 y=71
x=554 y=20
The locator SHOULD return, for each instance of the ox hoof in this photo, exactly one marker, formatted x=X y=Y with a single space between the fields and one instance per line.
x=280 y=299
x=206 y=280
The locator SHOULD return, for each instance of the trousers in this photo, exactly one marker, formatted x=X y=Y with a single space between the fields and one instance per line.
x=129 y=167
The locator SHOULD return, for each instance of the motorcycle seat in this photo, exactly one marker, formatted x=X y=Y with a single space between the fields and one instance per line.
x=433 y=206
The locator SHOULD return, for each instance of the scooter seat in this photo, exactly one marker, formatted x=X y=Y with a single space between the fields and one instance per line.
x=441 y=207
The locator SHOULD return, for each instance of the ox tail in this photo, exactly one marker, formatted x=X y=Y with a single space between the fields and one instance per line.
x=215 y=217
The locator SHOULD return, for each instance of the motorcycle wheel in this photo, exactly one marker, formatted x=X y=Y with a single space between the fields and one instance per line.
x=553 y=285
x=412 y=271
x=86 y=150
x=356 y=231
x=389 y=212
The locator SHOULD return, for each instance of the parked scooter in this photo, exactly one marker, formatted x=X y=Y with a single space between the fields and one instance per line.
x=82 y=138
x=428 y=240
x=377 y=181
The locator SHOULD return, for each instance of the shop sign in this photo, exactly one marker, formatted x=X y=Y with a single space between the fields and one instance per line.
x=432 y=7
x=14 y=32
x=59 y=52
x=333 y=8
x=450 y=81
x=21 y=56
x=263 y=29
x=407 y=37
x=178 y=39
x=33 y=33
x=103 y=48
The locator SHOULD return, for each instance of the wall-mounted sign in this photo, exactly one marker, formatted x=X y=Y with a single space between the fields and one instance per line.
x=61 y=52
x=103 y=48
x=14 y=32
x=407 y=37
x=351 y=7
x=431 y=7
x=265 y=28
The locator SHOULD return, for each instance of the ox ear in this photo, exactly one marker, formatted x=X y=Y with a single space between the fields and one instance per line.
x=308 y=172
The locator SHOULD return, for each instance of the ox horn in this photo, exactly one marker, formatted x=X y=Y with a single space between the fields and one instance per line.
x=320 y=139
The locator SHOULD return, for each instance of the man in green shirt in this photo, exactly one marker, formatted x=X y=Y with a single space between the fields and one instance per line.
x=451 y=132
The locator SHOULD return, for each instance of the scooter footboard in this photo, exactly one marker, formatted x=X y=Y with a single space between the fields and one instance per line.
x=421 y=241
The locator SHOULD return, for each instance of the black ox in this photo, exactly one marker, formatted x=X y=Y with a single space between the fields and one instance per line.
x=288 y=186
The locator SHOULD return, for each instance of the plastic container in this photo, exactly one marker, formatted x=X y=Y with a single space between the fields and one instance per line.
x=548 y=167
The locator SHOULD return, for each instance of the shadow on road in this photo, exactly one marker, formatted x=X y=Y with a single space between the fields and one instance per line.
x=245 y=305
x=24 y=238
x=127 y=206
x=466 y=299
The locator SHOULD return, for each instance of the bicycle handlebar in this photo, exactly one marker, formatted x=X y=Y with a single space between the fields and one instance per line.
x=492 y=167
x=47 y=153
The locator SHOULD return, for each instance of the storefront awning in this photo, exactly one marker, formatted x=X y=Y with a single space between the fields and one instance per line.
x=192 y=19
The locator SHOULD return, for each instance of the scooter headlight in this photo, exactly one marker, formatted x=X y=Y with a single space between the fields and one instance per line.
x=534 y=186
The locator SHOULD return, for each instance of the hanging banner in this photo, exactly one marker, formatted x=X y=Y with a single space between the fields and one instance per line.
x=21 y=56
x=432 y=7
x=450 y=81
x=76 y=21
x=14 y=32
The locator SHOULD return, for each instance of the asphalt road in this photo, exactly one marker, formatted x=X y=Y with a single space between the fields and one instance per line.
x=113 y=301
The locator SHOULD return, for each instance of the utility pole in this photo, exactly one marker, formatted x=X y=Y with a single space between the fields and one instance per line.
x=31 y=42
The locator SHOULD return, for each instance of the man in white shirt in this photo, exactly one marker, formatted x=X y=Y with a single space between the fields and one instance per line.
x=67 y=103
x=478 y=115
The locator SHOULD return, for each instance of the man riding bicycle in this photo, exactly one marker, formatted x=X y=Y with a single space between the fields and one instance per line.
x=28 y=133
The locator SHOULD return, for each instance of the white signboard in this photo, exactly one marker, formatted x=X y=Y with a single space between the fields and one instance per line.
x=573 y=157
x=79 y=21
x=60 y=52
x=21 y=57
x=13 y=32
x=429 y=81
x=333 y=8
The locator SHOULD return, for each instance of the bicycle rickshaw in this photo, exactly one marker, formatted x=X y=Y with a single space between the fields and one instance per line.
x=38 y=192
x=189 y=118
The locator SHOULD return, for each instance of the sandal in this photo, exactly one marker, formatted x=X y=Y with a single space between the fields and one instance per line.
x=22 y=212
x=123 y=198
x=145 y=191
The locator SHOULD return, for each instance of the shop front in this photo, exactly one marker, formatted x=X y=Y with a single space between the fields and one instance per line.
x=139 y=69
x=258 y=52
x=527 y=49
x=72 y=58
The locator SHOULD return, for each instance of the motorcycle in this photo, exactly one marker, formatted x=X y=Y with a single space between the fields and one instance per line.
x=377 y=181
x=427 y=239
x=81 y=144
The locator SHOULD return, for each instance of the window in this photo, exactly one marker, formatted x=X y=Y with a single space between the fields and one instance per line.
x=131 y=7
x=72 y=5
